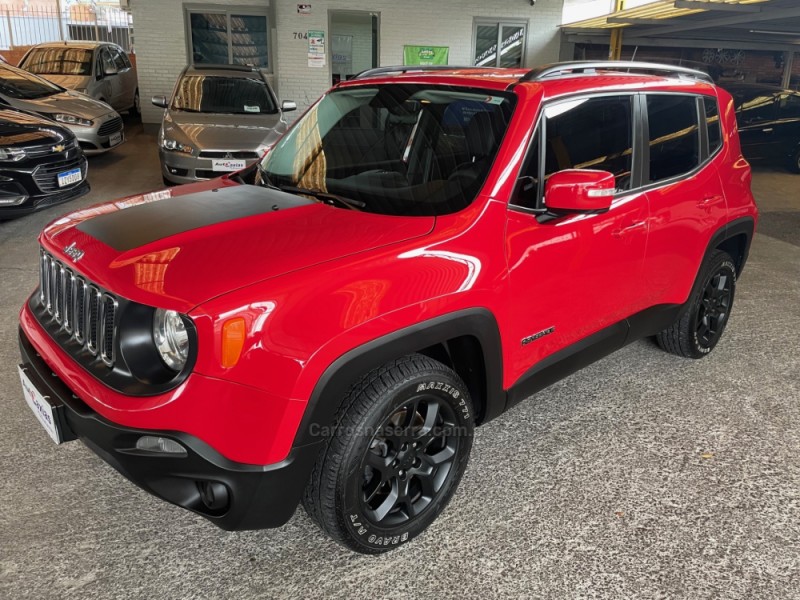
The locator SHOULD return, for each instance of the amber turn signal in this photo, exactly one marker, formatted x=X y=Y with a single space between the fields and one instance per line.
x=233 y=332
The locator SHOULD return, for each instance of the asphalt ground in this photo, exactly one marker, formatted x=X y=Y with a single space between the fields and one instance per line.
x=642 y=476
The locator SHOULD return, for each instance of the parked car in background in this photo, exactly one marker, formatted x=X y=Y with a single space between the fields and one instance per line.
x=97 y=126
x=98 y=69
x=41 y=164
x=220 y=119
x=769 y=123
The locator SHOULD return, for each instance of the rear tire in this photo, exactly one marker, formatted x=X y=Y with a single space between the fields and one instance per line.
x=400 y=446
x=700 y=326
x=136 y=109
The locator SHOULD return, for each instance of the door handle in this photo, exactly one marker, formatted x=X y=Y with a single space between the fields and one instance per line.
x=767 y=130
x=710 y=201
x=629 y=229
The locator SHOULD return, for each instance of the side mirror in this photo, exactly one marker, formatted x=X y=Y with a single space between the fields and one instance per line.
x=579 y=190
x=288 y=105
x=160 y=101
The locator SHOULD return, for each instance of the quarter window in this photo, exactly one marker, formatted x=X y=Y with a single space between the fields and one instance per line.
x=674 y=135
x=712 y=124
x=228 y=37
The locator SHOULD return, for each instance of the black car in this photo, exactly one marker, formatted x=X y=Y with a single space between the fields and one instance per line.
x=41 y=163
x=769 y=123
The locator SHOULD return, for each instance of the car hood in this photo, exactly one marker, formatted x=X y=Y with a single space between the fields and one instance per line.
x=71 y=82
x=20 y=129
x=223 y=132
x=73 y=103
x=180 y=247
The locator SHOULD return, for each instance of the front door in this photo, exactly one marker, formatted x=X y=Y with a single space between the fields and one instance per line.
x=574 y=275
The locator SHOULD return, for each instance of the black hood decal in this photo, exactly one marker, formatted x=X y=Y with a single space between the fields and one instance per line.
x=142 y=224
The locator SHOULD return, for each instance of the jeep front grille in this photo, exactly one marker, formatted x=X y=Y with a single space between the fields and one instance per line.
x=86 y=313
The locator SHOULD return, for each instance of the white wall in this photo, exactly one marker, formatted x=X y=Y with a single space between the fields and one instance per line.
x=161 y=48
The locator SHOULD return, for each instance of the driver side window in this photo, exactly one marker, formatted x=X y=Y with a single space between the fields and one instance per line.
x=584 y=133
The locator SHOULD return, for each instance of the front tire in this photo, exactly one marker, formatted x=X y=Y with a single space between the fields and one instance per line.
x=700 y=326
x=401 y=444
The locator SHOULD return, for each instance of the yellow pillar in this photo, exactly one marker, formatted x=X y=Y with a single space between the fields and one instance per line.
x=615 y=45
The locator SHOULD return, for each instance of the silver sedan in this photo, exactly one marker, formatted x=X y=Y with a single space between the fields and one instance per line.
x=220 y=119
x=97 y=126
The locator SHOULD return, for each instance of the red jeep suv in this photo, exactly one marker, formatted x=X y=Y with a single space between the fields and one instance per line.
x=421 y=251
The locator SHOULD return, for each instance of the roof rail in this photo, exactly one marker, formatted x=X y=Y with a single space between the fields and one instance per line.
x=582 y=66
x=377 y=71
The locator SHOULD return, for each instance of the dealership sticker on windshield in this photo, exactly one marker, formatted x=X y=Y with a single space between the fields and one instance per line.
x=253 y=109
x=227 y=165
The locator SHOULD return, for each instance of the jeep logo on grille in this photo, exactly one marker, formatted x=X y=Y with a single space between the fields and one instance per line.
x=73 y=252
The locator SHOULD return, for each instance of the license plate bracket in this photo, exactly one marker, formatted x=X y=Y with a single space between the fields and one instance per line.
x=227 y=165
x=47 y=409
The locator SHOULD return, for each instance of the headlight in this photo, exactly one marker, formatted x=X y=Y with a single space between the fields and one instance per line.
x=12 y=154
x=176 y=146
x=171 y=338
x=72 y=120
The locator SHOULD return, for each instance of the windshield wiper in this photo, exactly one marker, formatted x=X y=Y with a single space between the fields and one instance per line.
x=326 y=197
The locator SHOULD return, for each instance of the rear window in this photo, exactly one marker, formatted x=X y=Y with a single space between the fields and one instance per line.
x=674 y=135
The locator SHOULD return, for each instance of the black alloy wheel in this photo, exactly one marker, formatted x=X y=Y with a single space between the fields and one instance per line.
x=704 y=317
x=395 y=456
x=408 y=460
x=714 y=308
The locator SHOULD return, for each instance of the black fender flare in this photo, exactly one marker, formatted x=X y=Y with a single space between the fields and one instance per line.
x=743 y=225
x=337 y=379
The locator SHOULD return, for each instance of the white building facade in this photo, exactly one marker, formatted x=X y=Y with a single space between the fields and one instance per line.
x=305 y=47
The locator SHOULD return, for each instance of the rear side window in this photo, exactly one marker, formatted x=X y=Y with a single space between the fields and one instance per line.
x=674 y=135
x=590 y=133
x=712 y=124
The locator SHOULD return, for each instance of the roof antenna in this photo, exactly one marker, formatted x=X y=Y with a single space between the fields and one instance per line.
x=635 y=50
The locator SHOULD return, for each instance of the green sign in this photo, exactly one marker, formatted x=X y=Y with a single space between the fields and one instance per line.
x=425 y=55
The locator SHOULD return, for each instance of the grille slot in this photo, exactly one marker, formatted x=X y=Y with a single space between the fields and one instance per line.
x=109 y=127
x=87 y=314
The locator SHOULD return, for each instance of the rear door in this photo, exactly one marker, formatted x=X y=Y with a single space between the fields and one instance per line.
x=687 y=204
x=127 y=79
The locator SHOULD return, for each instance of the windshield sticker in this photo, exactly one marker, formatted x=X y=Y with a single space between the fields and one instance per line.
x=252 y=109
x=493 y=100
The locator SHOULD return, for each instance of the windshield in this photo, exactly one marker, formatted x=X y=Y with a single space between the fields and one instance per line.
x=394 y=149
x=231 y=95
x=18 y=84
x=59 y=61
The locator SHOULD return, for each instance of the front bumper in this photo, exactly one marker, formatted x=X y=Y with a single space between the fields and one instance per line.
x=30 y=181
x=106 y=133
x=251 y=496
x=181 y=168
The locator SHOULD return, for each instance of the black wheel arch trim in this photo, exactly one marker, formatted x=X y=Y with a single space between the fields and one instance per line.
x=332 y=387
x=743 y=225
